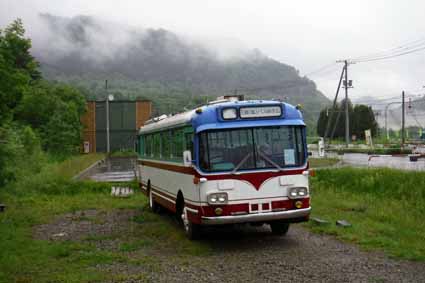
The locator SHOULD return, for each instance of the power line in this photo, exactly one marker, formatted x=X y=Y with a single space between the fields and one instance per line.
x=410 y=45
x=403 y=47
x=383 y=57
x=392 y=56
x=321 y=69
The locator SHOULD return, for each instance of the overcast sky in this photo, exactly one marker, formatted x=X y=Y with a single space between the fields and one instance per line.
x=302 y=33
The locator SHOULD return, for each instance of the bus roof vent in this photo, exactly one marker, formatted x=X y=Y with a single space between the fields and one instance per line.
x=227 y=98
x=156 y=119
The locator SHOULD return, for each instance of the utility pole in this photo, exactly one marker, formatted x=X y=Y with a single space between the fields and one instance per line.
x=347 y=84
x=108 y=149
x=402 y=119
x=330 y=118
x=347 y=118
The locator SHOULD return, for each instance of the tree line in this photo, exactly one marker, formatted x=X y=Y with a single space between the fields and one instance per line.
x=361 y=118
x=38 y=119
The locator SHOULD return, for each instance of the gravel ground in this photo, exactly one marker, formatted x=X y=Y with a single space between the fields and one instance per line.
x=240 y=254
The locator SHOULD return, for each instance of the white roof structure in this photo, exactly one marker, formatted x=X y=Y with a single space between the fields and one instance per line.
x=168 y=122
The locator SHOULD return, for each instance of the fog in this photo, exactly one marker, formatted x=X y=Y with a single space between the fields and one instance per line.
x=304 y=34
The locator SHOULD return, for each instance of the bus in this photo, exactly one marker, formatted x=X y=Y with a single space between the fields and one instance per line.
x=227 y=162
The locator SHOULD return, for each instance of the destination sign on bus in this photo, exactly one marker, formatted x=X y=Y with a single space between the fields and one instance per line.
x=260 y=112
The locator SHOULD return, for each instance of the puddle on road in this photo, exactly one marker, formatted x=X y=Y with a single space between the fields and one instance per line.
x=115 y=169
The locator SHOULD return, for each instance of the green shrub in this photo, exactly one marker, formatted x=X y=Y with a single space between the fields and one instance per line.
x=20 y=153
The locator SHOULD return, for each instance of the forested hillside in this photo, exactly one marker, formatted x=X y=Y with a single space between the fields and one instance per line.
x=39 y=120
x=171 y=70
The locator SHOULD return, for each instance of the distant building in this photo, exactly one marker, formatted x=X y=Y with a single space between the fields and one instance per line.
x=125 y=117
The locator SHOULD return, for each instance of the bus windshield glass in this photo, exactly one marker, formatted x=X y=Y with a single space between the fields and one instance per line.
x=251 y=148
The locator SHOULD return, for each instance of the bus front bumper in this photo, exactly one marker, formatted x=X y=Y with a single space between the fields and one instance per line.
x=296 y=215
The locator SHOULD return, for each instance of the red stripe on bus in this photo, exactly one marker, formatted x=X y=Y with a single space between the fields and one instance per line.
x=170 y=167
x=163 y=200
x=255 y=178
x=158 y=191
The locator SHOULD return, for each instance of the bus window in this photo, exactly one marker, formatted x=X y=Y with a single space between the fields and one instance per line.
x=142 y=145
x=253 y=148
x=156 y=145
x=188 y=137
x=204 y=162
x=137 y=145
x=148 y=145
x=165 y=144
x=227 y=150
x=177 y=141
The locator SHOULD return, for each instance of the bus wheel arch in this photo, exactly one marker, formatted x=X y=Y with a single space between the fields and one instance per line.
x=192 y=230
x=179 y=205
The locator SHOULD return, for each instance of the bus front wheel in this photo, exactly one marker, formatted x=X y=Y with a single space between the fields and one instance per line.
x=193 y=231
x=279 y=228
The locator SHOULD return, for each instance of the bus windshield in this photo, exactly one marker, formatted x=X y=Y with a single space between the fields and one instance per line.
x=251 y=148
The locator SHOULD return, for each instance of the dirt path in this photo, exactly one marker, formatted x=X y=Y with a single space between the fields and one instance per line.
x=239 y=254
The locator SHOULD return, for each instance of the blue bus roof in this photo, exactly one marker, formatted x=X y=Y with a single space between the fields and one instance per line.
x=210 y=117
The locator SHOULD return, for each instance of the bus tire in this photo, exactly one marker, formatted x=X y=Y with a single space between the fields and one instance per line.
x=279 y=228
x=193 y=231
x=152 y=204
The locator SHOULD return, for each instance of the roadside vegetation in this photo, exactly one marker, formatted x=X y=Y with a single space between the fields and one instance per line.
x=361 y=118
x=385 y=207
x=39 y=120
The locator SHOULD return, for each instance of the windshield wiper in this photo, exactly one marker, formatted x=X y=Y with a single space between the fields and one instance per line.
x=241 y=163
x=269 y=160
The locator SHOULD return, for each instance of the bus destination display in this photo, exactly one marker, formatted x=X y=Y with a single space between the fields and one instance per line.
x=260 y=112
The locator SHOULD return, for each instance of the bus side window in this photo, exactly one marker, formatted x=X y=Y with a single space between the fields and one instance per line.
x=170 y=138
x=165 y=145
x=188 y=137
x=177 y=141
x=148 y=145
x=203 y=152
x=156 y=145
x=141 y=145
x=137 y=145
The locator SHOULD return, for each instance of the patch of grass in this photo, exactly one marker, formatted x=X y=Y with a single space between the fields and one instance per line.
x=40 y=198
x=74 y=165
x=136 y=245
x=322 y=162
x=167 y=235
x=385 y=206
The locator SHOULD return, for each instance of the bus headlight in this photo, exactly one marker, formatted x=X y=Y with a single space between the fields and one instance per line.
x=298 y=192
x=217 y=198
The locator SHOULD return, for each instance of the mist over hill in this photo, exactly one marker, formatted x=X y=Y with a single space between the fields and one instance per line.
x=172 y=70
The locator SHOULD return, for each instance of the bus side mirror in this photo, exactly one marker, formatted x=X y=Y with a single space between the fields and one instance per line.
x=187 y=158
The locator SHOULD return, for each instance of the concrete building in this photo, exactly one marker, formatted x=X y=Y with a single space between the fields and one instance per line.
x=125 y=118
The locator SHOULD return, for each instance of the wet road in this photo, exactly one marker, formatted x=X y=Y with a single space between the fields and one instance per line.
x=388 y=161
x=115 y=169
